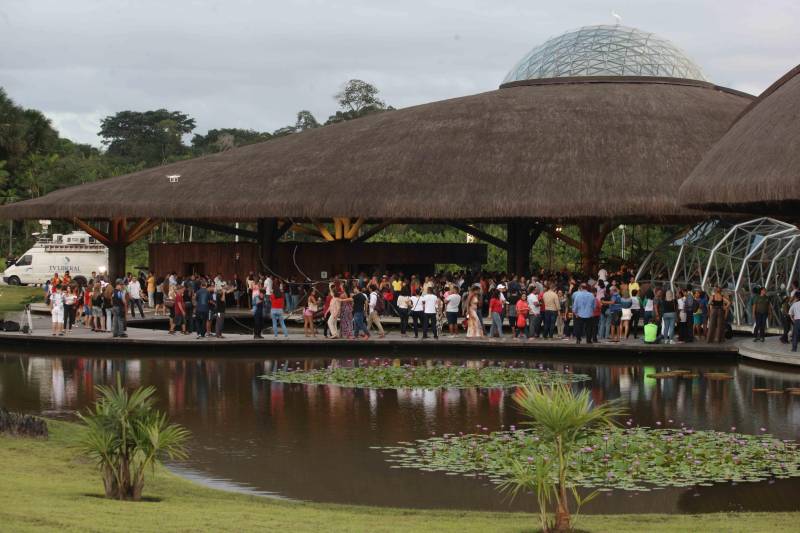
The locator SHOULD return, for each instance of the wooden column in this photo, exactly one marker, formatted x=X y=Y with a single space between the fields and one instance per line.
x=267 y=229
x=116 y=261
x=593 y=235
x=519 y=241
x=117 y=239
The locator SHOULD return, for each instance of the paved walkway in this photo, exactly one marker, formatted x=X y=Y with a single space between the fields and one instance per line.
x=151 y=333
x=771 y=350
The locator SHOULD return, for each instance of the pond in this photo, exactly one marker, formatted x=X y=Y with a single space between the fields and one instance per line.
x=313 y=442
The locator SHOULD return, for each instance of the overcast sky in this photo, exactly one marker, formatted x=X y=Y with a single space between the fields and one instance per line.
x=254 y=64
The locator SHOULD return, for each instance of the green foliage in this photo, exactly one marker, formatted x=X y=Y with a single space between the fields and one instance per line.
x=126 y=435
x=219 y=140
x=305 y=121
x=425 y=377
x=150 y=138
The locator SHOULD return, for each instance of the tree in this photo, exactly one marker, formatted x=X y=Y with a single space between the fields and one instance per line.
x=357 y=99
x=126 y=435
x=305 y=121
x=564 y=420
x=151 y=137
x=219 y=140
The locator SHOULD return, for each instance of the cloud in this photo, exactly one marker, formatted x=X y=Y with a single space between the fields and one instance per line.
x=254 y=64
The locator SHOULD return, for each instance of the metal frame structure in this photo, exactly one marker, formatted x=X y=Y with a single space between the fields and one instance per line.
x=738 y=257
x=605 y=51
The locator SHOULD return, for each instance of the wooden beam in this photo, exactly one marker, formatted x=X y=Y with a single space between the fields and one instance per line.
x=285 y=226
x=94 y=232
x=374 y=230
x=137 y=226
x=352 y=231
x=221 y=228
x=345 y=227
x=308 y=231
x=338 y=229
x=142 y=231
x=480 y=234
x=550 y=230
x=323 y=230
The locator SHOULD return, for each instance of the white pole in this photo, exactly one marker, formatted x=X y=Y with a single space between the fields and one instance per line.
x=236 y=239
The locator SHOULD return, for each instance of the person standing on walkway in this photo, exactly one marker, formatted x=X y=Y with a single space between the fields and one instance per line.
x=417 y=315
x=334 y=312
x=794 y=314
x=218 y=305
x=429 y=308
x=312 y=306
x=70 y=301
x=118 y=301
x=200 y=301
x=257 y=301
x=277 y=301
x=583 y=308
x=669 y=314
x=551 y=307
x=151 y=290
x=496 y=314
x=762 y=310
x=135 y=297
x=718 y=311
x=474 y=323
x=360 y=305
x=404 y=308
x=377 y=306
x=57 y=310
x=535 y=314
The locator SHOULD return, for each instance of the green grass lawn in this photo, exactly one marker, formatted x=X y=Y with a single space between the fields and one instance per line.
x=47 y=486
x=14 y=298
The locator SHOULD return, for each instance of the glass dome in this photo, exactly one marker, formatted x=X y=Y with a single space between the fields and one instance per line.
x=605 y=51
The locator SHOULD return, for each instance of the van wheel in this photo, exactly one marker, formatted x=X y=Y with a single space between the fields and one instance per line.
x=14 y=280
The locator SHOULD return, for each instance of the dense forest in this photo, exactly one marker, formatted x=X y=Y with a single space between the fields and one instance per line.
x=36 y=160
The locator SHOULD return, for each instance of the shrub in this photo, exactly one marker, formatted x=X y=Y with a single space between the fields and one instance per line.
x=126 y=435
x=22 y=425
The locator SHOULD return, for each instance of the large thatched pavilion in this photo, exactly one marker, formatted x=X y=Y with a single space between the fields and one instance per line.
x=755 y=167
x=594 y=128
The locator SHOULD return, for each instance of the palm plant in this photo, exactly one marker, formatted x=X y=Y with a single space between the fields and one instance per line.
x=564 y=420
x=126 y=435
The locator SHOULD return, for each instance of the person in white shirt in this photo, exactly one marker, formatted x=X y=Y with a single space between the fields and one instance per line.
x=602 y=274
x=534 y=313
x=374 y=317
x=429 y=304
x=794 y=314
x=417 y=315
x=452 y=305
x=57 y=311
x=135 y=294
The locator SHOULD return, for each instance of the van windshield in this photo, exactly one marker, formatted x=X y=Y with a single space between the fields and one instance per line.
x=25 y=260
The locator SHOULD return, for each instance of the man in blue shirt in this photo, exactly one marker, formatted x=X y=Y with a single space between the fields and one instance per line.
x=582 y=308
x=201 y=298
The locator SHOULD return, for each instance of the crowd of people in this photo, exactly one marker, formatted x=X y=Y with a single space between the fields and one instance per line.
x=607 y=307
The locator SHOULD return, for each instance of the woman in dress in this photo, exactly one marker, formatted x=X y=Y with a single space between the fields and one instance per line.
x=718 y=311
x=334 y=311
x=308 y=314
x=346 y=314
x=474 y=326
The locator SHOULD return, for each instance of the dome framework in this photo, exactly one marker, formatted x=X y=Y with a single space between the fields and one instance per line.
x=737 y=257
x=605 y=51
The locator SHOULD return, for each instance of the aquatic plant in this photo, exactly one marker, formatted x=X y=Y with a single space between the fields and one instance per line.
x=433 y=377
x=126 y=435
x=633 y=458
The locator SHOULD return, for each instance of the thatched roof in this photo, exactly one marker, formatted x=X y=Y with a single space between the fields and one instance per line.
x=755 y=167
x=564 y=148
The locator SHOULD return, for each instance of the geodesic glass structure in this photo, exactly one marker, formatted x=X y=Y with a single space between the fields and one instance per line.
x=737 y=257
x=605 y=51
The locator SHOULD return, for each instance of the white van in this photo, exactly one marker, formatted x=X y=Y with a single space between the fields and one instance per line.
x=77 y=253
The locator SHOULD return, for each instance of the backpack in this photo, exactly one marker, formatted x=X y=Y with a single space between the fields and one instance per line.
x=380 y=305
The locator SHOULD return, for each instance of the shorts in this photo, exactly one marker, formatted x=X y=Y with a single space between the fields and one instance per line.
x=97 y=311
x=58 y=315
x=159 y=298
x=87 y=310
x=308 y=312
x=452 y=318
x=697 y=319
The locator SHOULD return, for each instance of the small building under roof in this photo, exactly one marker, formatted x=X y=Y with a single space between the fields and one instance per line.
x=755 y=166
x=594 y=128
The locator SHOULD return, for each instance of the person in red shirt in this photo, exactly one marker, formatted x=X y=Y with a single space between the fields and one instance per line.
x=179 y=307
x=277 y=301
x=496 y=312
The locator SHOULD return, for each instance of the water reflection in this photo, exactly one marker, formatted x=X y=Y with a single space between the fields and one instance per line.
x=312 y=442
